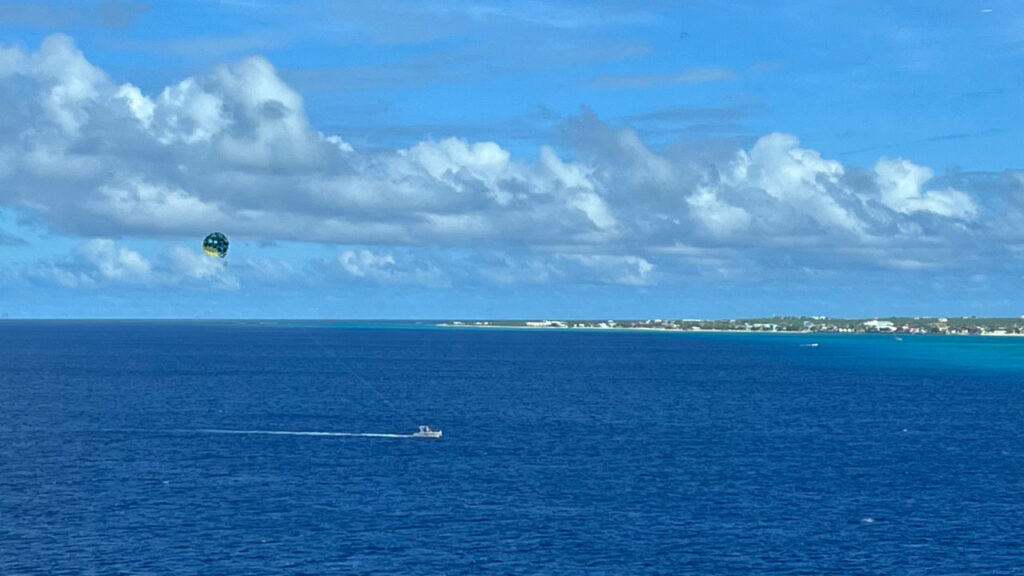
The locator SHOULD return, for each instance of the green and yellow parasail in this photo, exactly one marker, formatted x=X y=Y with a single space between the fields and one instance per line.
x=215 y=245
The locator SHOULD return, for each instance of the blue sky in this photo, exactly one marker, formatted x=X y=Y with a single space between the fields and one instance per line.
x=511 y=159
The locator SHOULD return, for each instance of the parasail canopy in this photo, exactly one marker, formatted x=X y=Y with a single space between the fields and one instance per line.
x=215 y=245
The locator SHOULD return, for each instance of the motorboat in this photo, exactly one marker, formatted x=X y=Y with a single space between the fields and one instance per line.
x=426 y=432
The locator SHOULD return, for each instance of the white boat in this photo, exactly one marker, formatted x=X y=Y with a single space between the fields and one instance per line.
x=426 y=432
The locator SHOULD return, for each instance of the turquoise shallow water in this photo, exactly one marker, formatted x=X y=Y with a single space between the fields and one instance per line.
x=564 y=452
x=920 y=354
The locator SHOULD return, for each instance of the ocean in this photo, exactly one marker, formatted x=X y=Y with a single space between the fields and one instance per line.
x=145 y=448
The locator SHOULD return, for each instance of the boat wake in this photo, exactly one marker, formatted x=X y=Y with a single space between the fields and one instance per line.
x=300 y=433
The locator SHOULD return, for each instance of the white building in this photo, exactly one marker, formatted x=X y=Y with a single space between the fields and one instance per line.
x=880 y=325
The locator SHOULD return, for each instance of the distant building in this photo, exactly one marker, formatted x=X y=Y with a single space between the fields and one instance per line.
x=879 y=326
x=548 y=324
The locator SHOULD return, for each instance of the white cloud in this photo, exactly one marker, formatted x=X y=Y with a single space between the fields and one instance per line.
x=384 y=268
x=595 y=209
x=187 y=114
x=195 y=265
x=799 y=179
x=116 y=263
x=72 y=83
x=337 y=141
x=504 y=269
x=12 y=61
x=234 y=150
x=901 y=187
x=269 y=122
x=718 y=217
x=141 y=107
x=483 y=160
x=143 y=205
x=51 y=272
x=94 y=263
x=53 y=161
x=364 y=263
x=561 y=174
x=103 y=262
x=611 y=269
x=459 y=165
x=273 y=270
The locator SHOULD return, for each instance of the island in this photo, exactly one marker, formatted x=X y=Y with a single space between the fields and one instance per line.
x=961 y=326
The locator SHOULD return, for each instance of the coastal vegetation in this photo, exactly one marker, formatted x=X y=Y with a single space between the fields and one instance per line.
x=801 y=324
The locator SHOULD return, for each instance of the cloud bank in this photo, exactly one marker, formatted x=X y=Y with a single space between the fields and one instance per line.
x=233 y=150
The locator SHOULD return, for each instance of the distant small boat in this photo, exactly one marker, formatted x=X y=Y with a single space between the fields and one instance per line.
x=811 y=345
x=426 y=432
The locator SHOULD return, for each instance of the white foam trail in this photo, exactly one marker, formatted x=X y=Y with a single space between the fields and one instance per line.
x=295 y=433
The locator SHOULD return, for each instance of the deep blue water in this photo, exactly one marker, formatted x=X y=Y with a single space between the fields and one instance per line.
x=564 y=452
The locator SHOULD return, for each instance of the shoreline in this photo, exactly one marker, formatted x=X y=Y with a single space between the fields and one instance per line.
x=712 y=330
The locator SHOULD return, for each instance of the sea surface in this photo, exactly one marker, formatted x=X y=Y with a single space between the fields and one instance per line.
x=142 y=448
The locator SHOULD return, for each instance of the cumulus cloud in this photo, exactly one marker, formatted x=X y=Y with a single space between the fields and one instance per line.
x=385 y=268
x=901 y=187
x=272 y=271
x=796 y=178
x=49 y=272
x=233 y=149
x=193 y=265
x=718 y=217
x=610 y=269
x=137 y=204
x=103 y=262
x=116 y=263
x=505 y=269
